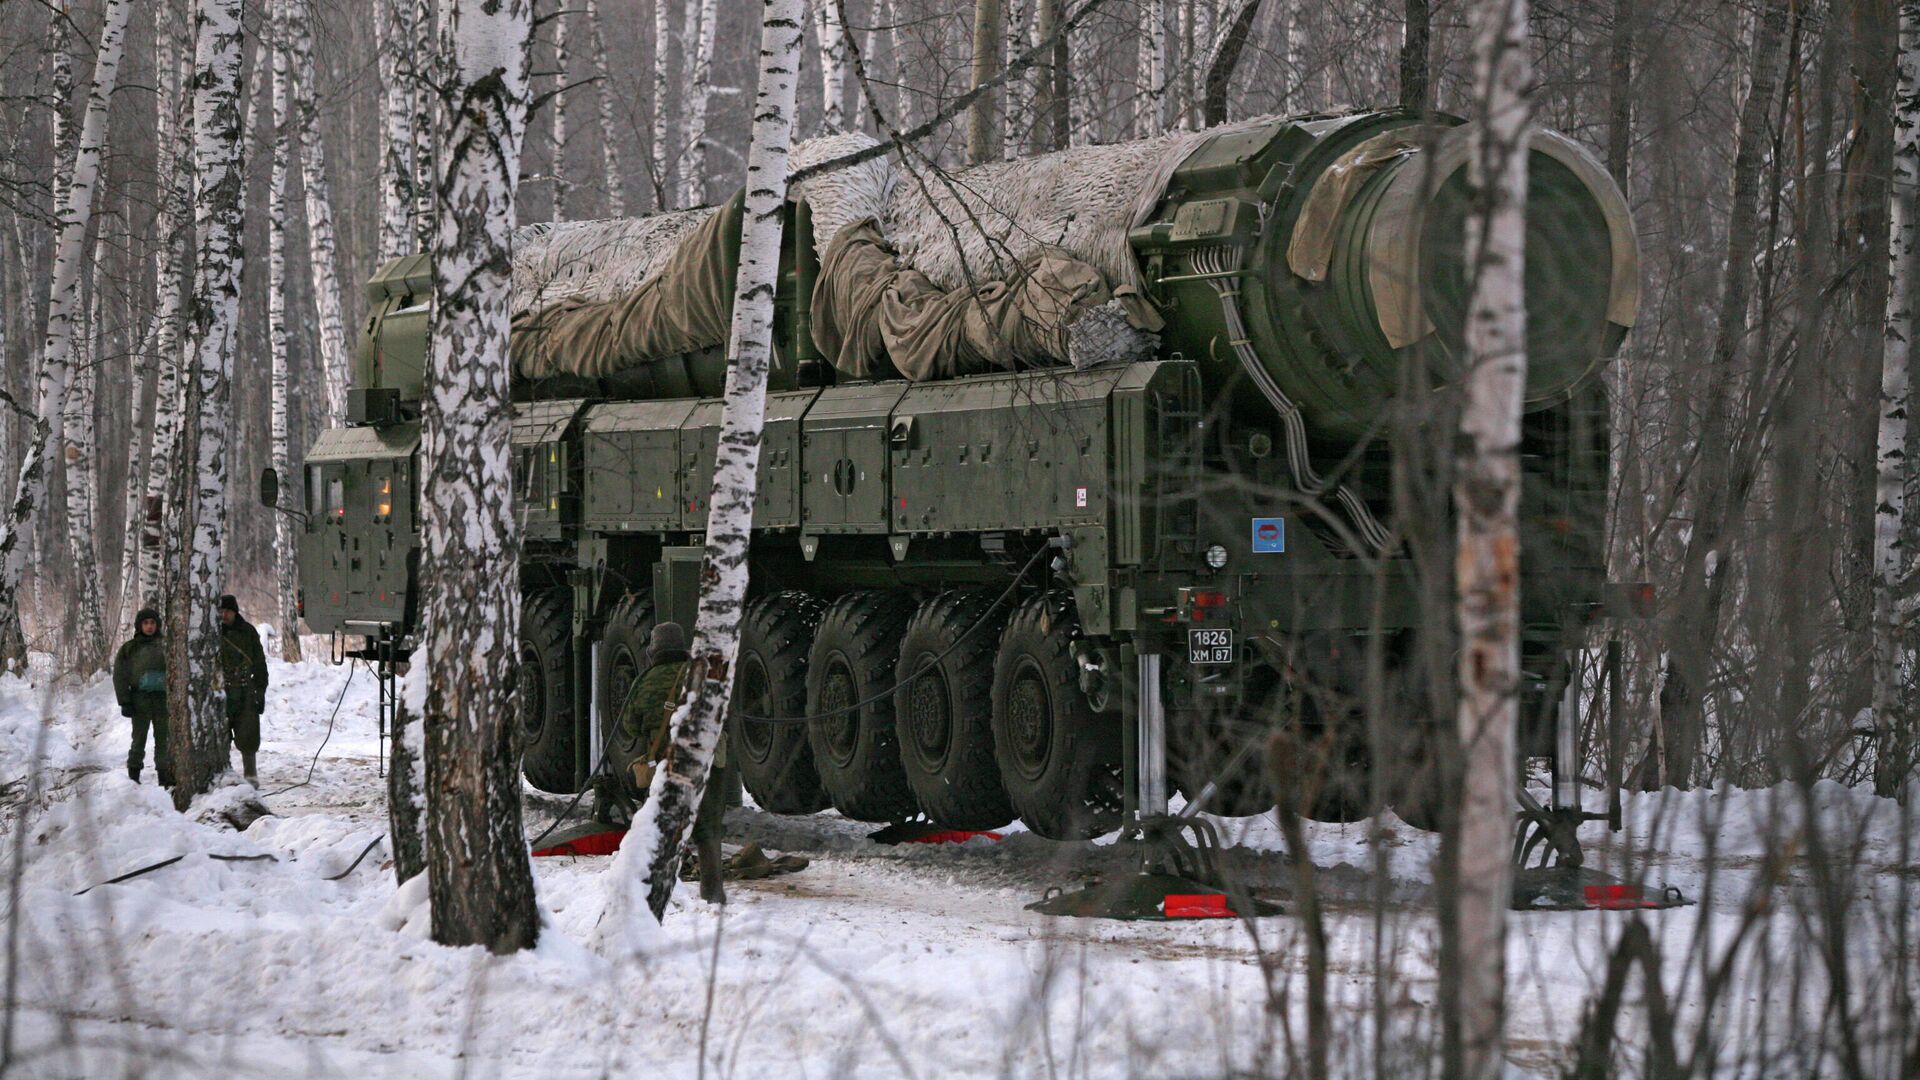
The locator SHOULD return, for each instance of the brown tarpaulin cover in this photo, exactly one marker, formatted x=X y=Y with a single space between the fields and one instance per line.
x=873 y=317
x=685 y=307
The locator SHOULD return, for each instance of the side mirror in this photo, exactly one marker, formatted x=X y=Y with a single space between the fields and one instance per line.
x=270 y=488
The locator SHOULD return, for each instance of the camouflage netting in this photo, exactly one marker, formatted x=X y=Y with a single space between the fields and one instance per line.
x=984 y=221
x=873 y=317
x=998 y=267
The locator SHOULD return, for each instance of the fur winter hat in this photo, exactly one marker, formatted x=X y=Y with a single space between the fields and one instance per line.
x=667 y=637
x=228 y=603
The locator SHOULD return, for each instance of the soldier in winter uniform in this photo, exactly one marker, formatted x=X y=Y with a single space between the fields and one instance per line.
x=140 y=684
x=243 y=671
x=645 y=721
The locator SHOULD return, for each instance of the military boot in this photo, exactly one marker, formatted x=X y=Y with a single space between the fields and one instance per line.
x=246 y=767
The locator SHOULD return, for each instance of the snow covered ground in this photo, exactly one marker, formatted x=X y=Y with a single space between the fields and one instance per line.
x=911 y=961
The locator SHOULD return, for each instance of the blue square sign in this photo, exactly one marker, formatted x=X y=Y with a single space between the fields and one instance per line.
x=1269 y=535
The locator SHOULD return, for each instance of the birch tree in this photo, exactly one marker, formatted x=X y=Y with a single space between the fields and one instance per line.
x=173 y=157
x=395 y=200
x=647 y=866
x=662 y=134
x=88 y=644
x=1890 y=560
x=395 y=40
x=1151 y=88
x=331 y=324
x=603 y=104
x=56 y=353
x=557 y=158
x=423 y=77
x=693 y=178
x=836 y=73
x=479 y=878
x=983 y=120
x=198 y=739
x=1487 y=503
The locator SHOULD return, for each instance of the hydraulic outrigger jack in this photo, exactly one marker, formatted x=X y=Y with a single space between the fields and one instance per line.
x=384 y=656
x=1179 y=875
x=1561 y=880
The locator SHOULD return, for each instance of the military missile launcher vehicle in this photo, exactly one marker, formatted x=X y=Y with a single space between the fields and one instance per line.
x=972 y=595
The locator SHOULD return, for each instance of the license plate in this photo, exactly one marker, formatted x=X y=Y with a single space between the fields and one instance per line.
x=1209 y=646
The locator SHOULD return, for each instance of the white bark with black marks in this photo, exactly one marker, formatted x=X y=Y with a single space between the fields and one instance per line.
x=331 y=324
x=557 y=147
x=646 y=869
x=88 y=646
x=1487 y=502
x=199 y=736
x=286 y=618
x=836 y=71
x=1150 y=88
x=664 y=132
x=396 y=41
x=1893 y=731
x=174 y=156
x=479 y=877
x=693 y=178
x=612 y=176
x=75 y=210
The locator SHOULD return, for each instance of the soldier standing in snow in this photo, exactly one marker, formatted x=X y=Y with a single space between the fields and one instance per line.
x=140 y=684
x=243 y=671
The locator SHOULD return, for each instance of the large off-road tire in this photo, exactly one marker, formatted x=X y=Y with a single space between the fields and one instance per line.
x=1419 y=781
x=1224 y=743
x=856 y=750
x=1059 y=759
x=623 y=659
x=546 y=690
x=773 y=761
x=943 y=710
x=1332 y=761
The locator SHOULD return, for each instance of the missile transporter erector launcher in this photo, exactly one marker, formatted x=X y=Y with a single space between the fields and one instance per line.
x=967 y=591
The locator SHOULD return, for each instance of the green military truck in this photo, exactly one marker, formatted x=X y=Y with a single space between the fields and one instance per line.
x=989 y=597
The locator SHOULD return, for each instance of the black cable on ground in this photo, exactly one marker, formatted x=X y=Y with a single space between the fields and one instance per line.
x=323 y=742
x=368 y=850
x=134 y=874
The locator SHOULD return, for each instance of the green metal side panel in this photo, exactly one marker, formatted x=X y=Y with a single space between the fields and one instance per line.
x=1002 y=452
x=631 y=471
x=777 y=501
x=843 y=452
x=543 y=492
x=362 y=531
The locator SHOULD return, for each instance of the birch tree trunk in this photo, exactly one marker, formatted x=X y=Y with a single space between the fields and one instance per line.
x=426 y=165
x=662 y=134
x=1892 y=724
x=331 y=325
x=835 y=70
x=174 y=159
x=479 y=877
x=1487 y=502
x=396 y=40
x=603 y=105
x=88 y=644
x=648 y=863
x=198 y=739
x=395 y=201
x=693 y=178
x=983 y=120
x=56 y=354
x=557 y=158
x=1150 y=114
